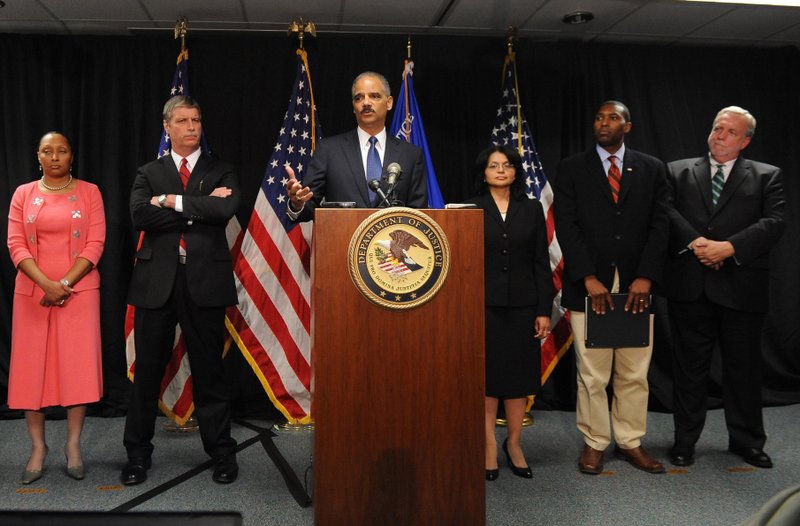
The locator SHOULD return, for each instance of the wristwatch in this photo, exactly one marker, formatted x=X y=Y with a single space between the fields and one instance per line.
x=162 y=199
x=64 y=281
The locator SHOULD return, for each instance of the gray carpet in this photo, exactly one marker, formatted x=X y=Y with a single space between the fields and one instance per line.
x=718 y=490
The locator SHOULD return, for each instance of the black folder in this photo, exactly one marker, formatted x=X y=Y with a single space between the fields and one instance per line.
x=617 y=328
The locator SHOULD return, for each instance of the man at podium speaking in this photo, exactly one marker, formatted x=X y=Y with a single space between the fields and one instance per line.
x=343 y=165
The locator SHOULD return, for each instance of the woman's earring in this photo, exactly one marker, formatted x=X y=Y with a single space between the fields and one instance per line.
x=40 y=167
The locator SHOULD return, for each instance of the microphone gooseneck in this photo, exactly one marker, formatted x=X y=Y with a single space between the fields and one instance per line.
x=375 y=186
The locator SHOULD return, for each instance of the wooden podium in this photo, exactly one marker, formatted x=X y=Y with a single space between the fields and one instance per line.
x=398 y=394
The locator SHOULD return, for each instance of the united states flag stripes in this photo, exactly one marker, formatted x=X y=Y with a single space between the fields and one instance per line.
x=176 y=385
x=271 y=325
x=511 y=129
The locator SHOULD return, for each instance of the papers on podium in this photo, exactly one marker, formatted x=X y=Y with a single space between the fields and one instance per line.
x=617 y=328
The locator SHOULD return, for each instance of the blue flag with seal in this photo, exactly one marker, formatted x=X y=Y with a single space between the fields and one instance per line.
x=407 y=126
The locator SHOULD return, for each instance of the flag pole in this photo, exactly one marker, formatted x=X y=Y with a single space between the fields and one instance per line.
x=191 y=424
x=300 y=27
x=407 y=125
x=511 y=36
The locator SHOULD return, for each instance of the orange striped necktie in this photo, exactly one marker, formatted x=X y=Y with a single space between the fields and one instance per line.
x=614 y=178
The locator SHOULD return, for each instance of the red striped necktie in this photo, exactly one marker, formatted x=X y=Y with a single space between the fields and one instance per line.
x=185 y=174
x=614 y=178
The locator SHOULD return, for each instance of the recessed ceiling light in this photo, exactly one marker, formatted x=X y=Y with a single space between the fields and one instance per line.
x=578 y=17
x=783 y=3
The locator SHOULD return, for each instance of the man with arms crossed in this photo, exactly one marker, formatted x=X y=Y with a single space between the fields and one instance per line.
x=184 y=275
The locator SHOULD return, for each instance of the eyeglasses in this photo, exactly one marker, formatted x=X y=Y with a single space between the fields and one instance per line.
x=496 y=166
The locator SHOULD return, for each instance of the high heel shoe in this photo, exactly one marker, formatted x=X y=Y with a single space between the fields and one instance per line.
x=29 y=477
x=525 y=472
x=492 y=474
x=76 y=472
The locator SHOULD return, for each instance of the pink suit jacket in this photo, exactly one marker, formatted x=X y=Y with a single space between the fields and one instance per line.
x=88 y=229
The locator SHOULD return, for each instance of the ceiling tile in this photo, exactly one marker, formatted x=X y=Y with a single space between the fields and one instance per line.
x=494 y=14
x=659 y=18
x=95 y=10
x=284 y=11
x=390 y=13
x=606 y=14
x=750 y=23
x=790 y=35
x=195 y=10
x=16 y=10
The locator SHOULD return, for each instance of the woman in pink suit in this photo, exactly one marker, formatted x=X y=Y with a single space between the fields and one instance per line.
x=56 y=233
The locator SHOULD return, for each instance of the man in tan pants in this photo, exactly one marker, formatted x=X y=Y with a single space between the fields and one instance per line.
x=612 y=225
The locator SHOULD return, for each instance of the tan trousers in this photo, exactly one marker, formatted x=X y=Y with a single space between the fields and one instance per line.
x=629 y=405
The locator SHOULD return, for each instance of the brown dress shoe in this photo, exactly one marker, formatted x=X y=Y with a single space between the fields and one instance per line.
x=591 y=461
x=639 y=458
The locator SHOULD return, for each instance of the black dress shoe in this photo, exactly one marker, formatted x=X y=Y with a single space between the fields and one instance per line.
x=752 y=455
x=492 y=474
x=681 y=456
x=525 y=472
x=225 y=471
x=135 y=471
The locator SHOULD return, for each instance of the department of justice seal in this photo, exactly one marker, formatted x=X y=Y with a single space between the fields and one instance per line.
x=398 y=258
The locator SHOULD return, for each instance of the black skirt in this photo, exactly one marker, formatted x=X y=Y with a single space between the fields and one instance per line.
x=513 y=357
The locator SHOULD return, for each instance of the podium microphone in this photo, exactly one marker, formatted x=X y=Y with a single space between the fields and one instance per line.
x=375 y=186
x=393 y=173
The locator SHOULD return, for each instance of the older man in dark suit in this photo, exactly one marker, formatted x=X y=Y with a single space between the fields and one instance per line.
x=343 y=165
x=726 y=214
x=611 y=221
x=183 y=275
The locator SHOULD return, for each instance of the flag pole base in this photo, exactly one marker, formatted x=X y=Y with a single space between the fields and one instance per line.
x=190 y=426
x=289 y=427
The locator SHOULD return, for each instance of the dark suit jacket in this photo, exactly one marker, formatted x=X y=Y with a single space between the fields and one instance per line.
x=516 y=261
x=337 y=173
x=597 y=235
x=749 y=214
x=209 y=271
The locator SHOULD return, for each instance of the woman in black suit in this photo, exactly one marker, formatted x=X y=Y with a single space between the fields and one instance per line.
x=518 y=295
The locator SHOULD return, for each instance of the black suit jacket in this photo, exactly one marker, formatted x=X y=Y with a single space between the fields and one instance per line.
x=516 y=261
x=749 y=214
x=209 y=271
x=597 y=235
x=337 y=173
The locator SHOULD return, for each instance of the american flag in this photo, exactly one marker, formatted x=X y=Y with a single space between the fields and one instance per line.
x=511 y=129
x=176 y=385
x=272 y=323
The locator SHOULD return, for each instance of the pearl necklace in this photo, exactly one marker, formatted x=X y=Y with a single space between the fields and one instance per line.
x=57 y=188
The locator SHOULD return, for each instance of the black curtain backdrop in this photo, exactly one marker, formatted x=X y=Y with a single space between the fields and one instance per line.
x=106 y=94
